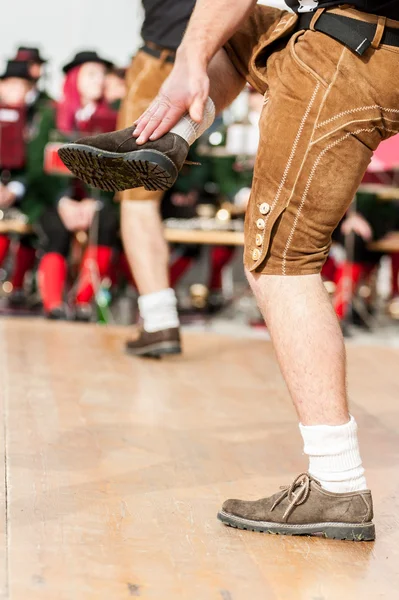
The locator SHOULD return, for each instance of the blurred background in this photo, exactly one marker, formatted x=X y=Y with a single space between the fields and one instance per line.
x=60 y=29
x=70 y=273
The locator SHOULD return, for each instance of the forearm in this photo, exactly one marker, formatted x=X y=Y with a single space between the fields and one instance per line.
x=191 y=85
x=213 y=22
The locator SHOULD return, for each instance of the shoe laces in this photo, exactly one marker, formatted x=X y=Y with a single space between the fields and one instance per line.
x=192 y=163
x=297 y=493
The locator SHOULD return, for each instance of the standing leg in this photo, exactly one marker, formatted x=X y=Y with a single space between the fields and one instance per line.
x=307 y=172
x=142 y=229
x=311 y=355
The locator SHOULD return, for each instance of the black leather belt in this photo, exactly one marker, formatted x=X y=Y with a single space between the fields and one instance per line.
x=157 y=53
x=357 y=35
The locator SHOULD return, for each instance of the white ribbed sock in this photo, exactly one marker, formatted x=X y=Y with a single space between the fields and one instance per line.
x=189 y=130
x=159 y=310
x=334 y=457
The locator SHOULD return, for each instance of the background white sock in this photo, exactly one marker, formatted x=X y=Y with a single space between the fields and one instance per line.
x=159 y=310
x=334 y=456
x=189 y=130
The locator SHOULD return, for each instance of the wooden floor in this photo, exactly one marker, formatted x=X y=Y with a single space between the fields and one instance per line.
x=113 y=470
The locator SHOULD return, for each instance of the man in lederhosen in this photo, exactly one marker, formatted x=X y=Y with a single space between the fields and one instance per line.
x=330 y=76
x=142 y=231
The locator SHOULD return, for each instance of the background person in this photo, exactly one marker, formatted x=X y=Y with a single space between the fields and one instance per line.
x=78 y=208
x=28 y=187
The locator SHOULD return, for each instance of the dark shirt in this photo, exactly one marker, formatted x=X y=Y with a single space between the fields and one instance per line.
x=386 y=8
x=165 y=21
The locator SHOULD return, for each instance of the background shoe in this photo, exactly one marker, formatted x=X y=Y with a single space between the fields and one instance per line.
x=114 y=162
x=83 y=313
x=17 y=299
x=155 y=344
x=59 y=313
x=305 y=508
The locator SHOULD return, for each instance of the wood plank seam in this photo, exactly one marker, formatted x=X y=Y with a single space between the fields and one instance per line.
x=6 y=495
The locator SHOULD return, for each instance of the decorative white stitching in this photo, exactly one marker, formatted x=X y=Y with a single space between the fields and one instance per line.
x=291 y=156
x=283 y=23
x=347 y=123
x=309 y=182
x=354 y=110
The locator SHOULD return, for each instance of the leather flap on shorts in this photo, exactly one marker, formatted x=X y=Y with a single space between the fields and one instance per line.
x=261 y=218
x=284 y=27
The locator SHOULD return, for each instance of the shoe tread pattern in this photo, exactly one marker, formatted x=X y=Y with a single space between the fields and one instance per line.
x=114 y=174
x=340 y=531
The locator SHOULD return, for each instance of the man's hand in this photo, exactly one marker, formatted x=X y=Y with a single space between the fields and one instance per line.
x=185 y=90
x=7 y=198
x=357 y=224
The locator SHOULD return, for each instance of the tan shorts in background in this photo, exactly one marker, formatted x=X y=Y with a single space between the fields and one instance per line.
x=326 y=110
x=144 y=78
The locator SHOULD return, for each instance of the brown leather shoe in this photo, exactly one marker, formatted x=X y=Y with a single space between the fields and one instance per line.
x=114 y=162
x=155 y=344
x=305 y=508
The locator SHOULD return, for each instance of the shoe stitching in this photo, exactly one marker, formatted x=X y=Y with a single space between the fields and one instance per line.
x=294 y=526
x=124 y=142
x=368 y=508
x=173 y=147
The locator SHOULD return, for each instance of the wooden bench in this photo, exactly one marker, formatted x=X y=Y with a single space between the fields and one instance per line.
x=15 y=226
x=196 y=236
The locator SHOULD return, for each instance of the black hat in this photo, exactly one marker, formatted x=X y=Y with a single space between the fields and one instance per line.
x=27 y=54
x=17 y=68
x=86 y=56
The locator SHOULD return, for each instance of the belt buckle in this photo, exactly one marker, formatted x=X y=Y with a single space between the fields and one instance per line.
x=363 y=46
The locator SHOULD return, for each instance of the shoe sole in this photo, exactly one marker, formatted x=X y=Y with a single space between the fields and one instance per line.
x=156 y=350
x=356 y=532
x=115 y=172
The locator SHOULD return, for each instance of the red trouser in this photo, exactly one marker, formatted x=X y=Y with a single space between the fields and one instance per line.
x=53 y=273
